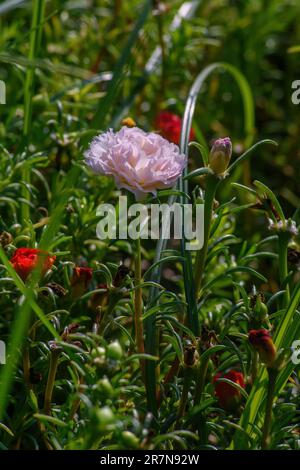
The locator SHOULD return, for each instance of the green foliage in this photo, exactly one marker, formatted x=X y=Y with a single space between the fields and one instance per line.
x=74 y=377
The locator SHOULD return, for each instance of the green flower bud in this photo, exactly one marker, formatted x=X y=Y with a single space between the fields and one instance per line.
x=105 y=388
x=114 y=351
x=259 y=307
x=98 y=352
x=104 y=419
x=130 y=440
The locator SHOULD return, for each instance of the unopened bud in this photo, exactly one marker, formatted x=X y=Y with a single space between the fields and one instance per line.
x=259 y=307
x=220 y=156
x=128 y=122
x=262 y=341
x=114 y=351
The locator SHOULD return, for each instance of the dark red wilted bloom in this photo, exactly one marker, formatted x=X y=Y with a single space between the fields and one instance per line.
x=262 y=341
x=228 y=396
x=169 y=125
x=25 y=260
x=80 y=280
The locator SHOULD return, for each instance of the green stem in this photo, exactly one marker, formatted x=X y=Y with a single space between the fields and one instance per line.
x=138 y=303
x=26 y=367
x=211 y=188
x=35 y=39
x=283 y=240
x=201 y=377
x=163 y=50
x=268 y=416
x=254 y=366
x=51 y=379
x=184 y=396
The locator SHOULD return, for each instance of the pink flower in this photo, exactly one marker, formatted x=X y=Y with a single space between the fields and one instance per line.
x=139 y=161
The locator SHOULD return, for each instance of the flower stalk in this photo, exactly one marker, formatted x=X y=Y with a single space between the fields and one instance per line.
x=201 y=378
x=254 y=366
x=54 y=357
x=35 y=40
x=138 y=302
x=283 y=240
x=26 y=367
x=212 y=182
x=188 y=374
x=269 y=404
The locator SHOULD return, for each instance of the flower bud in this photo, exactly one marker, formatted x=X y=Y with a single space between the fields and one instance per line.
x=105 y=388
x=103 y=419
x=128 y=122
x=228 y=396
x=220 y=156
x=262 y=342
x=260 y=310
x=114 y=350
x=130 y=440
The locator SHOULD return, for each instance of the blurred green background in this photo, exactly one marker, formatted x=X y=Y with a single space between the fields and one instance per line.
x=84 y=41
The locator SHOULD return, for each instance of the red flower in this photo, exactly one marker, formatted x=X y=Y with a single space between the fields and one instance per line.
x=169 y=125
x=228 y=396
x=262 y=341
x=25 y=260
x=80 y=280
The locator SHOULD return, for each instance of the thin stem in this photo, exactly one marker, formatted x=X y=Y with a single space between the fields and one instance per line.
x=138 y=302
x=163 y=50
x=254 y=366
x=201 y=377
x=51 y=379
x=211 y=187
x=170 y=375
x=35 y=39
x=268 y=416
x=184 y=396
x=26 y=367
x=283 y=240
